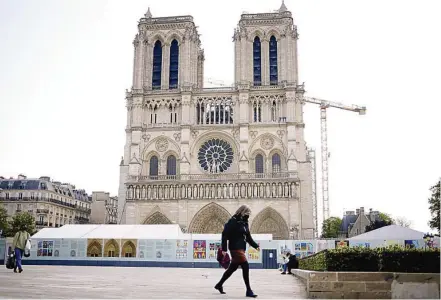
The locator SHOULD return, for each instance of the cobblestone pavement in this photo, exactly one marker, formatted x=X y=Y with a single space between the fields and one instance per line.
x=119 y=282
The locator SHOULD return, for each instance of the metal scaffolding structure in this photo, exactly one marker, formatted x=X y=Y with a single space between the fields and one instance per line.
x=312 y=159
x=324 y=105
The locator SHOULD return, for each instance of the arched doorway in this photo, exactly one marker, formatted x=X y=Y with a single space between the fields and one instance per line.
x=157 y=218
x=209 y=219
x=270 y=221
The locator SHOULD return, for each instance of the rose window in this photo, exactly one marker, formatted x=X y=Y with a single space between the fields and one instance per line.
x=215 y=156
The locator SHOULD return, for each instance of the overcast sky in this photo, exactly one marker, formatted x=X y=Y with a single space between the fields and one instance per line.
x=64 y=67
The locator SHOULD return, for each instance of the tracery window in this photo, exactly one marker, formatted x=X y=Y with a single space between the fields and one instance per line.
x=273 y=60
x=257 y=111
x=174 y=65
x=157 y=65
x=259 y=164
x=257 y=63
x=153 y=167
x=215 y=156
x=154 y=114
x=171 y=165
x=173 y=110
x=276 y=164
x=216 y=110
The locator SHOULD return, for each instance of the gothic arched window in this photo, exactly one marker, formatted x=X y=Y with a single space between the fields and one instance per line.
x=274 y=111
x=157 y=66
x=171 y=165
x=276 y=163
x=273 y=60
x=259 y=163
x=154 y=167
x=257 y=70
x=174 y=65
x=154 y=114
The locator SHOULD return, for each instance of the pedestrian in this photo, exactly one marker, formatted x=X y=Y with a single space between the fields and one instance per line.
x=236 y=234
x=291 y=262
x=19 y=245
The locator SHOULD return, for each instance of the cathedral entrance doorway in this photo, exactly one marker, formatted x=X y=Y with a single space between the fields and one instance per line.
x=210 y=219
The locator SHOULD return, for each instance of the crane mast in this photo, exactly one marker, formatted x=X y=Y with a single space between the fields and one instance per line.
x=324 y=105
x=311 y=158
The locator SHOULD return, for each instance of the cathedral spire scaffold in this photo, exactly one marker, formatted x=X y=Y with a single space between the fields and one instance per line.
x=283 y=7
x=148 y=14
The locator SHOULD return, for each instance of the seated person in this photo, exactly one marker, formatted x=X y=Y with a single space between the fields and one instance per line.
x=290 y=263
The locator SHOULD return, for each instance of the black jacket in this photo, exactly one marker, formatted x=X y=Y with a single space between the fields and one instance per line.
x=237 y=233
x=293 y=263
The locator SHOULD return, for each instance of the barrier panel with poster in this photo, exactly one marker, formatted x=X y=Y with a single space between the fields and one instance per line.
x=194 y=253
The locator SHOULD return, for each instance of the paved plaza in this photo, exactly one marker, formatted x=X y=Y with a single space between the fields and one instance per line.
x=118 y=282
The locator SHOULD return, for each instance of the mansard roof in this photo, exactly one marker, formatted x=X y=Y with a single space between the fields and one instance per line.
x=44 y=184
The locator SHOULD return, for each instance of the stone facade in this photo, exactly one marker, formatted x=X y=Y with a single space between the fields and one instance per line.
x=52 y=203
x=104 y=208
x=193 y=155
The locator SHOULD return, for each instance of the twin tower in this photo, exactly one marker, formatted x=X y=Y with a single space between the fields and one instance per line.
x=168 y=52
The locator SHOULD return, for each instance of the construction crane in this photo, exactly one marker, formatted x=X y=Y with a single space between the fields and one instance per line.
x=324 y=104
x=217 y=82
x=311 y=158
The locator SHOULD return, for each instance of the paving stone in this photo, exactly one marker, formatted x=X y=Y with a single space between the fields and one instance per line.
x=72 y=282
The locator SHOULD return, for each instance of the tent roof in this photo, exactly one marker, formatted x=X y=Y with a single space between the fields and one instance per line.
x=218 y=236
x=391 y=232
x=104 y=231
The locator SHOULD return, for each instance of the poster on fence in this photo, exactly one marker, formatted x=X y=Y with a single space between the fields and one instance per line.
x=181 y=249
x=45 y=248
x=254 y=254
x=341 y=244
x=199 y=249
x=359 y=244
x=213 y=246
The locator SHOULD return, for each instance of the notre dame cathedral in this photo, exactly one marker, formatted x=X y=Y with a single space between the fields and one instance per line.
x=193 y=155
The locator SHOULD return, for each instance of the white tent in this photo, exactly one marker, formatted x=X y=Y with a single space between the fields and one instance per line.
x=391 y=232
x=170 y=232
x=105 y=231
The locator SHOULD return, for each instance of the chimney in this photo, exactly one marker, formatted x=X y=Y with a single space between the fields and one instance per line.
x=361 y=210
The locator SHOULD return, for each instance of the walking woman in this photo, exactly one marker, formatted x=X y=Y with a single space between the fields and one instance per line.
x=237 y=233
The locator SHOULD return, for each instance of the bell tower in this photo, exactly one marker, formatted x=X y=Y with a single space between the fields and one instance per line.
x=266 y=48
x=168 y=53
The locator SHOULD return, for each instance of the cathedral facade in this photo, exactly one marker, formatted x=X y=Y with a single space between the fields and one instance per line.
x=193 y=155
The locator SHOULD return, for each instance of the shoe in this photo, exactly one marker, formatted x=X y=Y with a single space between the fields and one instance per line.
x=251 y=294
x=20 y=270
x=15 y=270
x=290 y=273
x=283 y=273
x=219 y=288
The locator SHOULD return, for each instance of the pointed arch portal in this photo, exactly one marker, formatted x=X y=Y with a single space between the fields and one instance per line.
x=270 y=221
x=209 y=219
x=157 y=218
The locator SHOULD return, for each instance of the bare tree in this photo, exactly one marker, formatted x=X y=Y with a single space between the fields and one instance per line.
x=403 y=222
